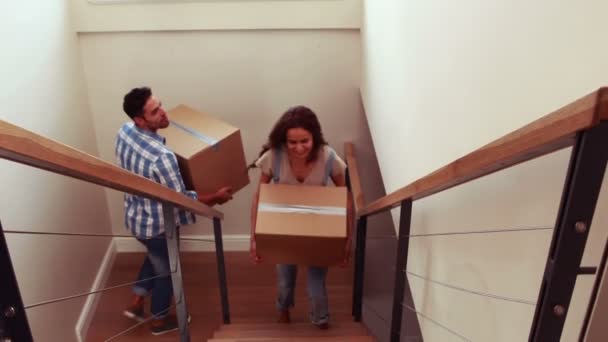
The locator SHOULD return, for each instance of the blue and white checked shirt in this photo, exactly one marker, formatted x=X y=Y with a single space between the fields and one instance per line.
x=144 y=153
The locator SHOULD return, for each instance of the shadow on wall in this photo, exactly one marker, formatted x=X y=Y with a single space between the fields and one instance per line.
x=381 y=252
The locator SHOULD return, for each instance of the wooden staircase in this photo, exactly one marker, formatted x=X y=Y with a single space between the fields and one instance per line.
x=295 y=332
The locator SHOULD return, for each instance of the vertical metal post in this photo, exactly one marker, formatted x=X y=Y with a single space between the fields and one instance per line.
x=596 y=288
x=171 y=234
x=400 y=265
x=13 y=320
x=359 y=268
x=581 y=190
x=221 y=269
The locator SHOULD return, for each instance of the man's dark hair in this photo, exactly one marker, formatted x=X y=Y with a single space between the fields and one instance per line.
x=134 y=102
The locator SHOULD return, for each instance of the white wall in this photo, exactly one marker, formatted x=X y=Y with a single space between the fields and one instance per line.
x=43 y=90
x=94 y=16
x=247 y=78
x=441 y=78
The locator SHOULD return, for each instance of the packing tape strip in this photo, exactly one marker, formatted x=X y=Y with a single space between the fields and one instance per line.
x=301 y=209
x=205 y=138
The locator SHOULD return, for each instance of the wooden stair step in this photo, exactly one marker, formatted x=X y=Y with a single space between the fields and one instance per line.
x=295 y=319
x=298 y=339
x=310 y=332
x=290 y=327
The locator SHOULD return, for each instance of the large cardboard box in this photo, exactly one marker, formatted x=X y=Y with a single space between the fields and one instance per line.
x=209 y=151
x=303 y=225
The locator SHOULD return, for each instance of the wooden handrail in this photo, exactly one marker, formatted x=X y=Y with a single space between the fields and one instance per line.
x=550 y=133
x=355 y=180
x=23 y=146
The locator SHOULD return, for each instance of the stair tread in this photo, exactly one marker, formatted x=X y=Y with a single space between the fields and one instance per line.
x=297 y=339
x=286 y=332
x=291 y=326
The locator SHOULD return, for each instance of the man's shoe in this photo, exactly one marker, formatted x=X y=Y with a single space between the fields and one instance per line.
x=323 y=326
x=136 y=310
x=165 y=325
x=284 y=317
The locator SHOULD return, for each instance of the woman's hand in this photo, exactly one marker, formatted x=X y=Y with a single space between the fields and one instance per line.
x=253 y=252
x=347 y=252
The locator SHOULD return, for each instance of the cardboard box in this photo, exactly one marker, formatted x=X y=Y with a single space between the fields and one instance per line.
x=209 y=151
x=303 y=225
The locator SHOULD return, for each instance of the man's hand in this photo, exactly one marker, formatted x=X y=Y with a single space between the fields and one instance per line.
x=223 y=195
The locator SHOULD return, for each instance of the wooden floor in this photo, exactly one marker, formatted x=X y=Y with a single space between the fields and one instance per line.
x=251 y=291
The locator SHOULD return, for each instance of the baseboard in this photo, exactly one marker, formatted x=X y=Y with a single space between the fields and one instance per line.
x=231 y=243
x=90 y=306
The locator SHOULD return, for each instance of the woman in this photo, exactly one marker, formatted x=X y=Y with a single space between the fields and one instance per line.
x=296 y=153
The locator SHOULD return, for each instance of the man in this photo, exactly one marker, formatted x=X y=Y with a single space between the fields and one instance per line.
x=141 y=150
